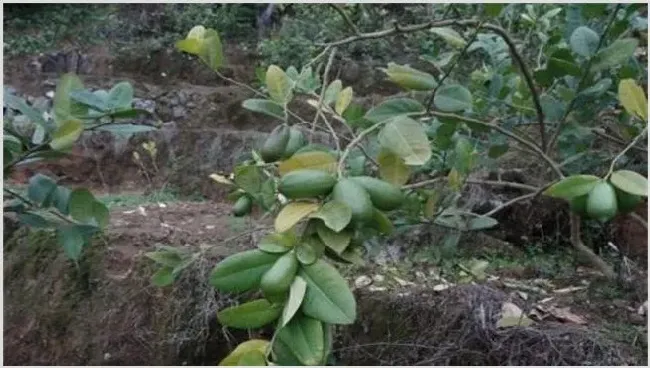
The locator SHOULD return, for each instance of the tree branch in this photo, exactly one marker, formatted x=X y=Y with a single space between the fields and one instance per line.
x=346 y=18
x=322 y=96
x=581 y=83
x=629 y=146
x=593 y=258
x=353 y=143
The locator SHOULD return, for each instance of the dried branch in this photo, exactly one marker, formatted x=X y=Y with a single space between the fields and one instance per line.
x=577 y=243
x=629 y=146
x=322 y=96
x=346 y=18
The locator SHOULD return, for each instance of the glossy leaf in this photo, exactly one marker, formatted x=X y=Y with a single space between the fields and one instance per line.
x=392 y=168
x=19 y=104
x=406 y=138
x=309 y=250
x=296 y=296
x=126 y=130
x=335 y=215
x=40 y=189
x=72 y=240
x=337 y=241
x=562 y=63
x=328 y=297
x=453 y=98
x=409 y=78
x=163 y=277
x=314 y=160
x=393 y=108
x=277 y=243
x=267 y=107
x=190 y=45
x=89 y=99
x=630 y=182
x=242 y=271
x=481 y=223
x=252 y=358
x=81 y=205
x=63 y=106
x=572 y=186
x=302 y=340
x=253 y=314
x=249 y=178
x=292 y=213
x=381 y=222
x=211 y=51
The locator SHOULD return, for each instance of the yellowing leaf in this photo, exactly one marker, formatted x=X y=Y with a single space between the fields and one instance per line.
x=66 y=134
x=332 y=91
x=392 y=168
x=292 y=213
x=314 y=160
x=343 y=100
x=409 y=78
x=278 y=84
x=633 y=99
x=406 y=138
x=198 y=33
x=190 y=45
x=455 y=180
x=243 y=348
x=450 y=36
x=512 y=315
x=221 y=179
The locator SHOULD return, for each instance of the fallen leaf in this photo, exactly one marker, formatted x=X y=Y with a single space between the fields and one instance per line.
x=440 y=287
x=402 y=282
x=512 y=315
x=362 y=281
x=569 y=289
x=565 y=315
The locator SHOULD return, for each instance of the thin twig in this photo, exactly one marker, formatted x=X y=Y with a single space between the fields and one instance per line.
x=506 y=184
x=577 y=243
x=639 y=219
x=346 y=18
x=509 y=203
x=494 y=126
x=581 y=83
x=629 y=146
x=452 y=67
x=616 y=140
x=354 y=142
x=31 y=204
x=322 y=95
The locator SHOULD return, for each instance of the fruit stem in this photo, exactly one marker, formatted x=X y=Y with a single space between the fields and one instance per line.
x=353 y=143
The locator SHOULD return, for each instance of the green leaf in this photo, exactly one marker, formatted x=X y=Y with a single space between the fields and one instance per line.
x=267 y=194
x=597 y=89
x=561 y=63
x=296 y=296
x=267 y=107
x=72 y=240
x=464 y=156
x=302 y=339
x=453 y=98
x=211 y=51
x=584 y=41
x=277 y=243
x=615 y=54
x=332 y=92
x=245 y=347
x=278 y=85
x=309 y=250
x=249 y=178
x=393 y=108
x=406 y=138
x=19 y=104
x=89 y=99
x=100 y=214
x=392 y=168
x=498 y=150
x=128 y=113
x=381 y=222
x=313 y=160
x=292 y=213
x=61 y=198
x=66 y=134
x=336 y=215
x=120 y=96
x=343 y=100
x=630 y=182
x=337 y=241
x=40 y=189
x=163 y=277
x=572 y=186
x=63 y=106
x=81 y=205
x=409 y=78
x=633 y=98
x=450 y=36
x=242 y=271
x=328 y=297
x=254 y=314
x=126 y=130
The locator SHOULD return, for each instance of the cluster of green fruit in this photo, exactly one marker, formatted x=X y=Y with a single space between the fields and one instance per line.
x=604 y=201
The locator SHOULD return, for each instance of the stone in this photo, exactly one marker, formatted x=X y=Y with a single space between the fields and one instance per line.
x=179 y=112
